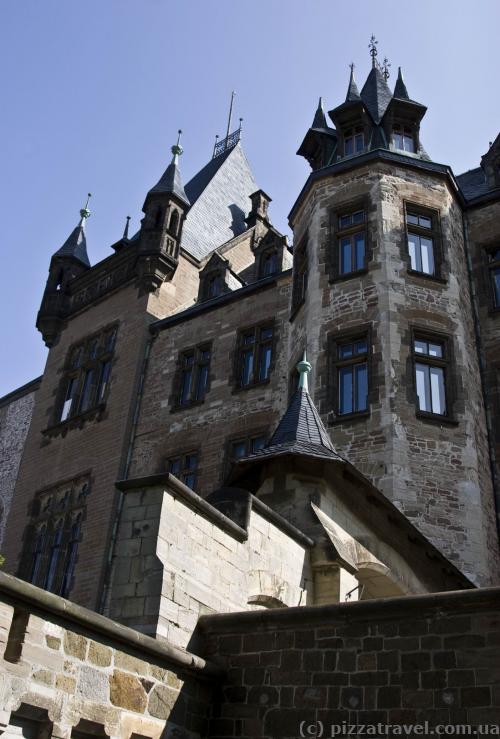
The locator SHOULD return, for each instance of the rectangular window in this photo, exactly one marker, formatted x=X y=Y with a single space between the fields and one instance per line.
x=88 y=370
x=351 y=242
x=430 y=374
x=244 y=446
x=422 y=235
x=194 y=375
x=494 y=273
x=185 y=468
x=354 y=141
x=351 y=368
x=402 y=139
x=50 y=552
x=255 y=355
x=300 y=275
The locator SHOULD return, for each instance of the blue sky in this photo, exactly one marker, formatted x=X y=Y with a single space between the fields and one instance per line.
x=93 y=94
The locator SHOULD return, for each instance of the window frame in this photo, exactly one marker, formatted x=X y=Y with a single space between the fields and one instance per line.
x=403 y=128
x=245 y=438
x=352 y=134
x=300 y=276
x=491 y=266
x=198 y=365
x=338 y=233
x=434 y=233
x=257 y=354
x=446 y=362
x=361 y=333
x=95 y=359
x=55 y=509
x=185 y=471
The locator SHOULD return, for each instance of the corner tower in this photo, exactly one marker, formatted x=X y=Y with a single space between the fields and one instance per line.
x=381 y=290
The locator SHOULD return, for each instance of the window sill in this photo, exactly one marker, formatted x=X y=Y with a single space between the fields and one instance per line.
x=335 y=419
x=76 y=421
x=243 y=388
x=349 y=275
x=436 y=419
x=186 y=406
x=425 y=276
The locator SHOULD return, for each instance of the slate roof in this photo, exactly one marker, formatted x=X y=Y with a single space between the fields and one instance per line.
x=75 y=246
x=376 y=94
x=300 y=431
x=220 y=201
x=473 y=183
x=400 y=90
x=352 y=90
x=171 y=182
x=319 y=120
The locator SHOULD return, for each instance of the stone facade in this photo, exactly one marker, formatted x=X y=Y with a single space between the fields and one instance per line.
x=16 y=410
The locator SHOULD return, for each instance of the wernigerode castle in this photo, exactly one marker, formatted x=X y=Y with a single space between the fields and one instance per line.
x=256 y=489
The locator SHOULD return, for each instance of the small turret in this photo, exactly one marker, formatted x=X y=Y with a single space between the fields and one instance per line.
x=68 y=262
x=164 y=210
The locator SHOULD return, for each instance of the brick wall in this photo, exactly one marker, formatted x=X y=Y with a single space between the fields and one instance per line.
x=395 y=661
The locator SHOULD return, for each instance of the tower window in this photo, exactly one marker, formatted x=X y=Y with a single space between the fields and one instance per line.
x=430 y=360
x=402 y=139
x=255 y=355
x=300 y=275
x=86 y=380
x=351 y=375
x=354 y=141
x=53 y=537
x=185 y=468
x=351 y=242
x=194 y=376
x=423 y=241
x=494 y=275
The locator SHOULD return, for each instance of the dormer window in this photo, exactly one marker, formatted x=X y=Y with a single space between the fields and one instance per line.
x=402 y=139
x=269 y=264
x=215 y=286
x=354 y=141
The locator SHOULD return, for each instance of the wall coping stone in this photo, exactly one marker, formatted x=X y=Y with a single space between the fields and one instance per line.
x=20 y=392
x=42 y=602
x=430 y=604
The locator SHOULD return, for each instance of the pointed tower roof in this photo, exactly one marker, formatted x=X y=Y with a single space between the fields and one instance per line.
x=376 y=94
x=400 y=90
x=75 y=245
x=301 y=430
x=171 y=182
x=319 y=120
x=352 y=91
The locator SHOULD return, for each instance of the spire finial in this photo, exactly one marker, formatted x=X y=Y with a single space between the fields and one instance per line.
x=373 y=49
x=303 y=368
x=241 y=125
x=385 y=68
x=230 y=114
x=352 y=65
x=125 y=230
x=177 y=148
x=85 y=212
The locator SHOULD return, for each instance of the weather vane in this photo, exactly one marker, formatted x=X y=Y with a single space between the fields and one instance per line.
x=385 y=68
x=373 y=49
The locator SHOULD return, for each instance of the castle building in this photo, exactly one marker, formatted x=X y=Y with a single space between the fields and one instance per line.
x=226 y=423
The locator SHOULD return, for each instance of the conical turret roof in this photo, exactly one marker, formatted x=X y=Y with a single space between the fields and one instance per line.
x=171 y=181
x=376 y=94
x=400 y=90
x=75 y=246
x=352 y=91
x=319 y=120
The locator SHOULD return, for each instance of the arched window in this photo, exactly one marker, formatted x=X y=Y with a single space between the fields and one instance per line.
x=174 y=223
x=70 y=561
x=55 y=553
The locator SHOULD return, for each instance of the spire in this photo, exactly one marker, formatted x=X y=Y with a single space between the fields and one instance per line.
x=125 y=230
x=376 y=94
x=400 y=90
x=319 y=117
x=75 y=246
x=352 y=90
x=171 y=181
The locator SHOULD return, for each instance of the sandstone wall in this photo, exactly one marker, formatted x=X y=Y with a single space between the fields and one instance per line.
x=400 y=661
x=177 y=558
x=436 y=470
x=79 y=667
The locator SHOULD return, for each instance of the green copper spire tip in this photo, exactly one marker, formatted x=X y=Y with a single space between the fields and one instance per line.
x=177 y=148
x=303 y=368
x=85 y=212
